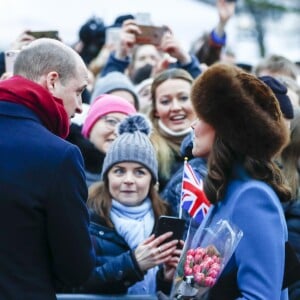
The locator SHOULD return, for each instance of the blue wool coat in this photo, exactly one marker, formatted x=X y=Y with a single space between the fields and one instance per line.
x=257 y=265
x=43 y=219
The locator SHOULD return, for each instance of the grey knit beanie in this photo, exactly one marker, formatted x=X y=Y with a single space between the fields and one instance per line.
x=114 y=81
x=132 y=145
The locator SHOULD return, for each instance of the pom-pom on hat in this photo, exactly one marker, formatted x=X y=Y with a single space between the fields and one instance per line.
x=132 y=145
x=243 y=111
x=280 y=92
x=102 y=106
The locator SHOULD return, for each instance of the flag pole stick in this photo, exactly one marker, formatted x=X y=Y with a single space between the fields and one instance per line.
x=180 y=203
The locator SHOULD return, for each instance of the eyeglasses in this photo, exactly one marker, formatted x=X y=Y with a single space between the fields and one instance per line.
x=111 y=122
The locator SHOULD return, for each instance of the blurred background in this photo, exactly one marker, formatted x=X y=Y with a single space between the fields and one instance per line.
x=259 y=27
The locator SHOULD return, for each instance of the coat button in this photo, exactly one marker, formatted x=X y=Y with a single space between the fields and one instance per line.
x=101 y=232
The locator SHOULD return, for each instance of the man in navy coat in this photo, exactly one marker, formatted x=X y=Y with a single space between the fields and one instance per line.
x=44 y=236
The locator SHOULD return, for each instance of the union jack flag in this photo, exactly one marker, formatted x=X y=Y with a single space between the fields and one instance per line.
x=193 y=198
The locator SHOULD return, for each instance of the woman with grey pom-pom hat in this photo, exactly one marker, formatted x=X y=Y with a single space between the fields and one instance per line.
x=124 y=208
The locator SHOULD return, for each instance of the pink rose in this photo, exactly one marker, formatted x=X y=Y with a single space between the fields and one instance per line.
x=199 y=278
x=196 y=269
x=188 y=271
x=215 y=266
x=213 y=273
x=209 y=261
x=190 y=252
x=200 y=251
x=198 y=258
x=216 y=259
x=190 y=258
x=209 y=281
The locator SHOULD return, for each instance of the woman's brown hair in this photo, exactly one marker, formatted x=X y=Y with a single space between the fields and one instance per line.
x=100 y=200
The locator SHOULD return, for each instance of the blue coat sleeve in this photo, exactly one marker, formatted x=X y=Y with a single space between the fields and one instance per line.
x=67 y=218
x=193 y=67
x=114 y=64
x=114 y=275
x=260 y=254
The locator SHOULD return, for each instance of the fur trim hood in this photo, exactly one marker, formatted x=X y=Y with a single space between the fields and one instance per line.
x=242 y=109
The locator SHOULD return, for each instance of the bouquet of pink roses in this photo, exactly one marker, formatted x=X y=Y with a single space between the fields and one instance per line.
x=205 y=254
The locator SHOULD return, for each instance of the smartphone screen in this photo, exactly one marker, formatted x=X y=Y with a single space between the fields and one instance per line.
x=52 y=34
x=112 y=36
x=150 y=35
x=167 y=223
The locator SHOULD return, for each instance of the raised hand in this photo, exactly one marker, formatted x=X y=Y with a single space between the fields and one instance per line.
x=153 y=251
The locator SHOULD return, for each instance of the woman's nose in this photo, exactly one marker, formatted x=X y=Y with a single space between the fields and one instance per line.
x=175 y=105
x=128 y=177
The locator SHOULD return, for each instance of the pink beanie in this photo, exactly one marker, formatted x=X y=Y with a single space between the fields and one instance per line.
x=103 y=105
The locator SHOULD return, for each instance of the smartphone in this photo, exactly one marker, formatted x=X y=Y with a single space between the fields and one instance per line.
x=167 y=223
x=150 y=35
x=9 y=59
x=112 y=36
x=52 y=34
x=143 y=18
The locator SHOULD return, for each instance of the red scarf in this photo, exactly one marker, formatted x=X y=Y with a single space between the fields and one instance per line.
x=48 y=108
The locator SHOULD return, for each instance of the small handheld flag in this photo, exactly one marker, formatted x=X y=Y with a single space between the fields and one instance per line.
x=193 y=198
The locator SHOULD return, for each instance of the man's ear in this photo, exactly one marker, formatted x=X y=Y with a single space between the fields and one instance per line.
x=51 y=80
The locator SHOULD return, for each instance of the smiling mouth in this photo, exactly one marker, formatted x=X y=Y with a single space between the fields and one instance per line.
x=177 y=118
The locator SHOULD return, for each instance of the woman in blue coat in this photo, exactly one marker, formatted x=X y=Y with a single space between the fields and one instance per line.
x=240 y=129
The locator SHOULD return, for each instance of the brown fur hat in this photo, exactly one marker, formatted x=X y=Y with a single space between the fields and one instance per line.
x=242 y=109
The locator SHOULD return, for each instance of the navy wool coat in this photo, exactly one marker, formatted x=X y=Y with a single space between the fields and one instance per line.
x=44 y=235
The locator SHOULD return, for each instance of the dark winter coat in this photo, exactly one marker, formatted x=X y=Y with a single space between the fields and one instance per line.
x=93 y=158
x=117 y=268
x=44 y=221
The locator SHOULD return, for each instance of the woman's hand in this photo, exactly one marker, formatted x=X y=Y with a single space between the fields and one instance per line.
x=169 y=44
x=153 y=251
x=170 y=266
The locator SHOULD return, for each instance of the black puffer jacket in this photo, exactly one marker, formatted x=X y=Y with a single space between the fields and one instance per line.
x=117 y=268
x=93 y=158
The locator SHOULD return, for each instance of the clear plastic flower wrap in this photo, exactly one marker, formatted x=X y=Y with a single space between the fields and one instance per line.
x=204 y=256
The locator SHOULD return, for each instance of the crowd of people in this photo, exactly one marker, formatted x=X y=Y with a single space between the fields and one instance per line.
x=94 y=138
